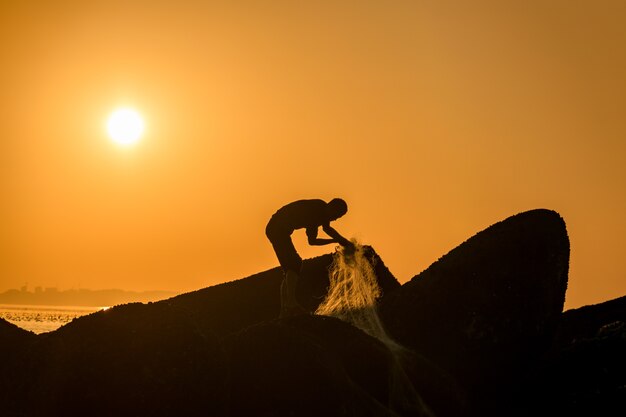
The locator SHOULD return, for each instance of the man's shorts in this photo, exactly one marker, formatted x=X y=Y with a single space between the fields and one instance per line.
x=284 y=248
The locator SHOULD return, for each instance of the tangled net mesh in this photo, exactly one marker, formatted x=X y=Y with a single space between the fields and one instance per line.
x=352 y=297
x=353 y=293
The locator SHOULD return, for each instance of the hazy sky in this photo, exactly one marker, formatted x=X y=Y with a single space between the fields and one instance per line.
x=432 y=119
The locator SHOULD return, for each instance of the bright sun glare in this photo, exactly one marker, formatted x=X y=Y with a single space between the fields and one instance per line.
x=125 y=126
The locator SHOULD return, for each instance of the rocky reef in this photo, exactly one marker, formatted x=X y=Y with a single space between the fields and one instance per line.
x=482 y=331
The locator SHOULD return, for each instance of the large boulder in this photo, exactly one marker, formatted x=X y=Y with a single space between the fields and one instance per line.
x=130 y=360
x=584 y=373
x=488 y=309
x=235 y=305
x=473 y=323
x=315 y=366
x=15 y=344
x=13 y=338
x=159 y=359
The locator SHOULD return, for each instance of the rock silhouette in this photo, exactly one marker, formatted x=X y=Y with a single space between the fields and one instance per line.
x=232 y=306
x=135 y=359
x=15 y=366
x=483 y=322
x=488 y=309
x=584 y=372
x=309 y=366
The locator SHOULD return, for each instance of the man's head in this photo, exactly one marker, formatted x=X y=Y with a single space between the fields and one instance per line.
x=336 y=208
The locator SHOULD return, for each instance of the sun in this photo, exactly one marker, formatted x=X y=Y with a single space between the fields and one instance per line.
x=125 y=126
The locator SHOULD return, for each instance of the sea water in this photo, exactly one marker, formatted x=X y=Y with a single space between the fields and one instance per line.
x=41 y=319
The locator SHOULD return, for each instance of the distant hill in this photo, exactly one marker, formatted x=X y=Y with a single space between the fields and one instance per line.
x=81 y=297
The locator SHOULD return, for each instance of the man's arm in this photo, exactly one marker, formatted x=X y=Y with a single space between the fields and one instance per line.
x=316 y=241
x=336 y=237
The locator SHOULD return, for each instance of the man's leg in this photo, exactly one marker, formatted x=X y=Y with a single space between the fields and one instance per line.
x=291 y=264
x=288 y=301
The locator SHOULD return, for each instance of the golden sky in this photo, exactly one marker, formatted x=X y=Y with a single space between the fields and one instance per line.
x=432 y=119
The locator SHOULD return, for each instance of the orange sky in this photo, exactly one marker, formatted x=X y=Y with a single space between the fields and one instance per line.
x=432 y=119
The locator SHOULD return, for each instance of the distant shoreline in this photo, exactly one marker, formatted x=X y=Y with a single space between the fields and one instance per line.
x=80 y=297
x=51 y=307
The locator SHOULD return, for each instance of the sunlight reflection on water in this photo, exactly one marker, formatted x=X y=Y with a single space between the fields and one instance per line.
x=41 y=319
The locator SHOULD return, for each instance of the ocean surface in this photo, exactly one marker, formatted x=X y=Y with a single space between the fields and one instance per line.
x=41 y=319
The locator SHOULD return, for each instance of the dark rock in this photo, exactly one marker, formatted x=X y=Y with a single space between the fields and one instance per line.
x=440 y=391
x=12 y=336
x=585 y=371
x=488 y=309
x=586 y=322
x=159 y=359
x=483 y=331
x=15 y=344
x=311 y=366
x=232 y=306
x=130 y=360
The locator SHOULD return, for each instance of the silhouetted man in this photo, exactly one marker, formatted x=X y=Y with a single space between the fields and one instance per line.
x=301 y=214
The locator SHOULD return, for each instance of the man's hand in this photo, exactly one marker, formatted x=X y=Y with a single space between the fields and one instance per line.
x=336 y=238
x=349 y=248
